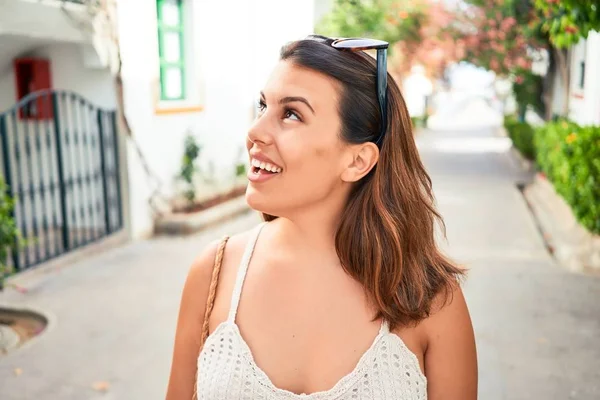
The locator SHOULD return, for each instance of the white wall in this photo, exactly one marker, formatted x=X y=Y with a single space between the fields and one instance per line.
x=7 y=89
x=44 y=19
x=68 y=73
x=235 y=45
x=584 y=102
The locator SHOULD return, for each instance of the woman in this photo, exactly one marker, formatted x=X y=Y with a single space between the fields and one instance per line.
x=341 y=293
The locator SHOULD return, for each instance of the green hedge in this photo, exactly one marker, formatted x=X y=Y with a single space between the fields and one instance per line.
x=420 y=121
x=10 y=236
x=521 y=134
x=569 y=155
x=528 y=88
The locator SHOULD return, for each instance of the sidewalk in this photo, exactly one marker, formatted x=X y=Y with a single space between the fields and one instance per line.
x=537 y=326
x=112 y=322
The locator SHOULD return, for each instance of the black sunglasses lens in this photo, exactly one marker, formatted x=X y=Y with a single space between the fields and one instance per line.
x=357 y=44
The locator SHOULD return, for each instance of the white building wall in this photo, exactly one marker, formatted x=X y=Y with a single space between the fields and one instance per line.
x=584 y=102
x=577 y=92
x=68 y=73
x=7 y=88
x=44 y=20
x=235 y=45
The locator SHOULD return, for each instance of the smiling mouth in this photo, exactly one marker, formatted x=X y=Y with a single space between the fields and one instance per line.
x=260 y=167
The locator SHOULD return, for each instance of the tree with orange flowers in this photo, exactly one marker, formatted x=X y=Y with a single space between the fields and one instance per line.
x=497 y=37
x=416 y=30
x=568 y=21
x=506 y=34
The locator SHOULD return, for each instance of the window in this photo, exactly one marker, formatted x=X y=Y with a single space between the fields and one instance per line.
x=582 y=74
x=171 y=49
x=582 y=58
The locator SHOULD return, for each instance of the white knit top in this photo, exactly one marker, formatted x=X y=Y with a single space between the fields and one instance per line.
x=388 y=370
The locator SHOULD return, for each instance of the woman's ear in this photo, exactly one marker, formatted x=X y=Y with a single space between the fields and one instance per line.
x=363 y=158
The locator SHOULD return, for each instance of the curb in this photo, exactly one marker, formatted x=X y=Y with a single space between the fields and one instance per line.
x=186 y=224
x=35 y=275
x=573 y=246
x=524 y=163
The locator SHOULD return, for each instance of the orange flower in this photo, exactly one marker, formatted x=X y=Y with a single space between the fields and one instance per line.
x=571 y=138
x=571 y=29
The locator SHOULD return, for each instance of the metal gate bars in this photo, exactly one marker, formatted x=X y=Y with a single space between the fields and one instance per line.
x=60 y=161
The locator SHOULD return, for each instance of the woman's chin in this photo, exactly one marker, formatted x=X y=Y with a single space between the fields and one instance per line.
x=258 y=201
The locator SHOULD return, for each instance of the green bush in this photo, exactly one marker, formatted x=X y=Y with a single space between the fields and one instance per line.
x=188 y=166
x=419 y=121
x=569 y=155
x=528 y=88
x=521 y=134
x=10 y=238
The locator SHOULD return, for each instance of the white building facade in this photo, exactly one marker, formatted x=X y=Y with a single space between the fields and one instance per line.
x=197 y=66
x=188 y=67
x=584 y=101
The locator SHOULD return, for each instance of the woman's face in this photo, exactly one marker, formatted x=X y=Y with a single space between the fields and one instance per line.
x=297 y=156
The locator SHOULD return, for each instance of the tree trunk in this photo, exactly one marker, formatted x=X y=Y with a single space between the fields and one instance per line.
x=548 y=95
x=562 y=56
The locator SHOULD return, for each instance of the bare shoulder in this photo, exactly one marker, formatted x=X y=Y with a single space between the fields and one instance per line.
x=232 y=257
x=450 y=356
x=448 y=311
x=198 y=278
x=201 y=270
x=192 y=309
x=189 y=324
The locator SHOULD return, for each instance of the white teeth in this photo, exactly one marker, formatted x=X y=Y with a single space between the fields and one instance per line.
x=266 y=166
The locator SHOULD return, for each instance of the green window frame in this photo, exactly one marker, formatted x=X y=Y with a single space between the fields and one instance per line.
x=171 y=49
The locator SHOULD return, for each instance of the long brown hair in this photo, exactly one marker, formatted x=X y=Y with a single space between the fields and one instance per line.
x=386 y=236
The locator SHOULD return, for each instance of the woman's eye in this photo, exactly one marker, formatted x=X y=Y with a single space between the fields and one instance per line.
x=292 y=115
x=287 y=114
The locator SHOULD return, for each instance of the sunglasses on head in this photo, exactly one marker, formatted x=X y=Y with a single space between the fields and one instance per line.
x=359 y=44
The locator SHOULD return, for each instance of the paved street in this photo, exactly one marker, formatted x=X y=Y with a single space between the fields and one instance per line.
x=537 y=326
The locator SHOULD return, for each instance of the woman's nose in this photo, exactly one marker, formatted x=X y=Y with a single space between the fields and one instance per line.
x=261 y=131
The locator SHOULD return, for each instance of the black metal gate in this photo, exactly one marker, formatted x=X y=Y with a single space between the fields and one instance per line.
x=61 y=164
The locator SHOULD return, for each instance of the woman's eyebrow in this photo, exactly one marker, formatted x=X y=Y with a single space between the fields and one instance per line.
x=291 y=99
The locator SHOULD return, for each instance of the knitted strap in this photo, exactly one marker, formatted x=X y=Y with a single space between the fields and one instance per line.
x=212 y=291
x=241 y=275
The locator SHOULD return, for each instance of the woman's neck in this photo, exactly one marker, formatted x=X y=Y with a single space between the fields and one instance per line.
x=310 y=232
